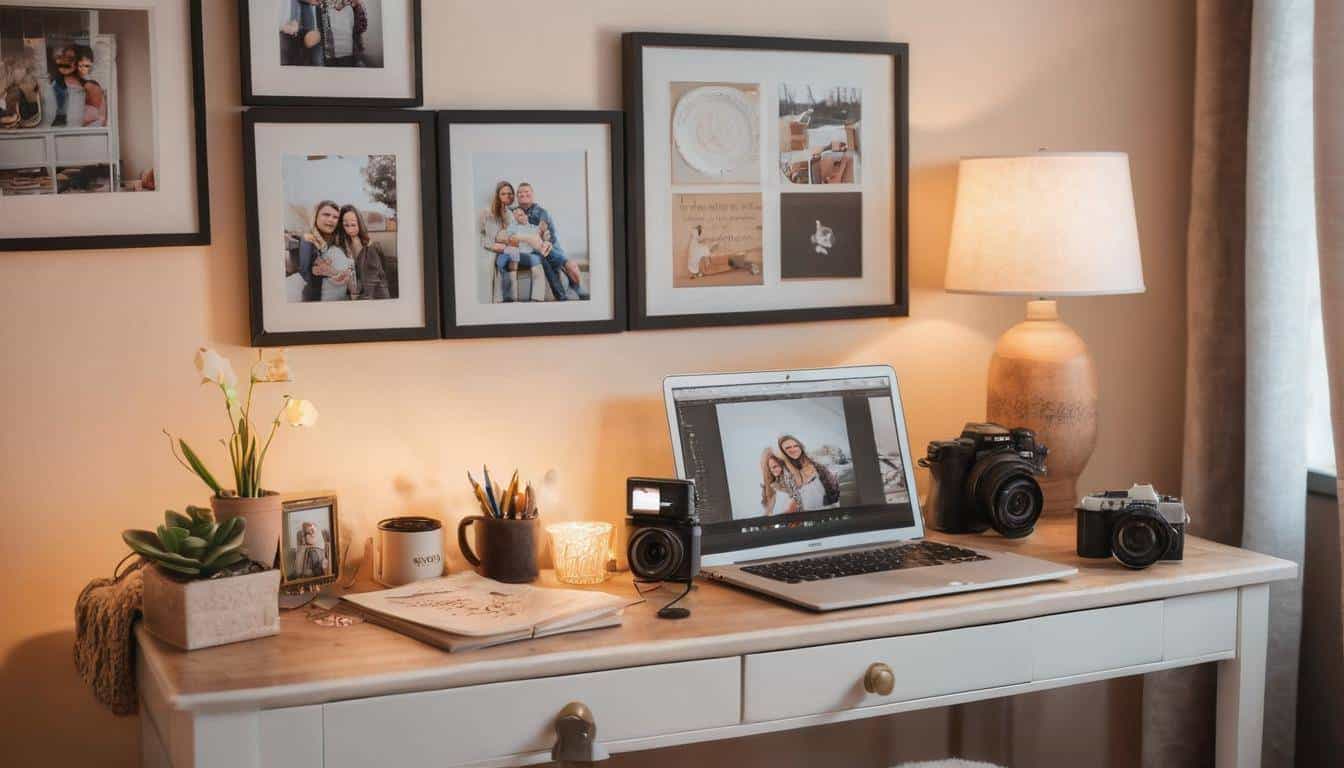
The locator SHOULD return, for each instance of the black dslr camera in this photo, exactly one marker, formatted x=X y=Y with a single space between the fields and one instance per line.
x=986 y=477
x=664 y=529
x=1139 y=526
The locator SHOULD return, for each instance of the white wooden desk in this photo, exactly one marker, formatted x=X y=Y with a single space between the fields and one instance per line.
x=354 y=696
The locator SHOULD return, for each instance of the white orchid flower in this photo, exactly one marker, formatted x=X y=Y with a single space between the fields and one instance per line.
x=300 y=413
x=274 y=370
x=215 y=368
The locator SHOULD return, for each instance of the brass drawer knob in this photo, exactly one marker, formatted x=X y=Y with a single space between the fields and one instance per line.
x=879 y=679
x=576 y=737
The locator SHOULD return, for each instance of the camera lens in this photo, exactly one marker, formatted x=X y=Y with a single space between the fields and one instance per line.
x=655 y=554
x=1139 y=536
x=1007 y=494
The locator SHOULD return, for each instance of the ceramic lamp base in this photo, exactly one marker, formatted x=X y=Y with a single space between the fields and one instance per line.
x=1042 y=377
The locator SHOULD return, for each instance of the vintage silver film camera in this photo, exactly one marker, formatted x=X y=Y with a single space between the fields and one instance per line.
x=1139 y=526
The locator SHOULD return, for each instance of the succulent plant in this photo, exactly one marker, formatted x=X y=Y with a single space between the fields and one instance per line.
x=191 y=544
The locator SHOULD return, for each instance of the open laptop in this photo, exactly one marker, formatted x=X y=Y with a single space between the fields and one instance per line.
x=845 y=529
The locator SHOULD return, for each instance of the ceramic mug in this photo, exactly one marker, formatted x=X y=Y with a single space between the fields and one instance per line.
x=506 y=549
x=409 y=549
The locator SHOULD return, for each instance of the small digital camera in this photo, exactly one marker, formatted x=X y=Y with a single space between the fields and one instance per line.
x=986 y=478
x=1139 y=526
x=663 y=528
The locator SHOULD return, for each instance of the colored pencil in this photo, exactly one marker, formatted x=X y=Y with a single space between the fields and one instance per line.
x=490 y=492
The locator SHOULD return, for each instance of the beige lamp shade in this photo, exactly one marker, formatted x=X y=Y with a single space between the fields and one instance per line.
x=1048 y=224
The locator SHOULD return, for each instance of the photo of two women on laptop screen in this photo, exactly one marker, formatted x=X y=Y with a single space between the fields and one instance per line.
x=773 y=453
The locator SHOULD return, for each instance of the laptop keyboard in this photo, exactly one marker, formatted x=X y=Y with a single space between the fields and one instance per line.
x=916 y=554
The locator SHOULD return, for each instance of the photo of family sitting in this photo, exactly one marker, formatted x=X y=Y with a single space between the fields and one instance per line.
x=75 y=91
x=340 y=238
x=771 y=471
x=307 y=549
x=331 y=33
x=521 y=249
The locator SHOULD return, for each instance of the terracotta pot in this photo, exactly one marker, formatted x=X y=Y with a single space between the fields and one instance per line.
x=200 y=613
x=261 y=537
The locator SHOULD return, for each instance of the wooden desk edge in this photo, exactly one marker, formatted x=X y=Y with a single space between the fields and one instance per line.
x=844 y=627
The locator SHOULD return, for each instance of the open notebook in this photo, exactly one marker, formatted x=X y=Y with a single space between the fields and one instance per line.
x=466 y=611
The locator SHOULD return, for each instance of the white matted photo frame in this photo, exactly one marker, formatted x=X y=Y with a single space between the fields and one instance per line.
x=361 y=53
x=102 y=125
x=533 y=222
x=768 y=179
x=342 y=234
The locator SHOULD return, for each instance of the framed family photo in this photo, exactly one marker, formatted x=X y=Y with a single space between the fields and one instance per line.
x=310 y=541
x=533 y=222
x=102 y=125
x=338 y=53
x=342 y=239
x=768 y=179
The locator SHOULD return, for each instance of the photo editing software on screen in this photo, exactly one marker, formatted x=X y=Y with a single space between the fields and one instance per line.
x=781 y=462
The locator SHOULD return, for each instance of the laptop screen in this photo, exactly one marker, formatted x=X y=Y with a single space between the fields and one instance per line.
x=788 y=461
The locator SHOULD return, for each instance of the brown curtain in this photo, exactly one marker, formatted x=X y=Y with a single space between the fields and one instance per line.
x=1179 y=706
x=1251 y=248
x=1329 y=144
x=1329 y=233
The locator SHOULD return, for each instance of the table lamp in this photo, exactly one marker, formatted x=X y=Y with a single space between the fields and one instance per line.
x=1045 y=225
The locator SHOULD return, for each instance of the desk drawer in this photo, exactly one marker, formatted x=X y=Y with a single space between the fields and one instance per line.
x=829 y=678
x=464 y=725
x=1092 y=641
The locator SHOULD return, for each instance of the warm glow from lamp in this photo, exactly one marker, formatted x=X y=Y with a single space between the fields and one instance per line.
x=1046 y=225
x=580 y=551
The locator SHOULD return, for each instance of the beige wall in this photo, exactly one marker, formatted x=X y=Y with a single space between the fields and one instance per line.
x=97 y=345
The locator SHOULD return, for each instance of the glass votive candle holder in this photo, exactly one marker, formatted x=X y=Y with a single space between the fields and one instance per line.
x=580 y=551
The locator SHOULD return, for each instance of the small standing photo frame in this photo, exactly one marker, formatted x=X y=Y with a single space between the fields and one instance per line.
x=768 y=179
x=310 y=538
x=336 y=53
x=533 y=222
x=102 y=125
x=342 y=235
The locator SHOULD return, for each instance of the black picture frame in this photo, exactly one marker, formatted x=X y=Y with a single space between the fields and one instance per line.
x=199 y=236
x=614 y=120
x=255 y=100
x=428 y=203
x=633 y=45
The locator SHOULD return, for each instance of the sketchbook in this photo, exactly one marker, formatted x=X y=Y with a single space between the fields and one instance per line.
x=466 y=611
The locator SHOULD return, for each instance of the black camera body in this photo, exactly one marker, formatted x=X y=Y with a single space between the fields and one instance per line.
x=663 y=529
x=1138 y=527
x=986 y=478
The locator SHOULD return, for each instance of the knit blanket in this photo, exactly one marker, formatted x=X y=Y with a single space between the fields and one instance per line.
x=105 y=615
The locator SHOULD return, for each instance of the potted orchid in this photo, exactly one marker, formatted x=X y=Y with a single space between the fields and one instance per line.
x=247 y=447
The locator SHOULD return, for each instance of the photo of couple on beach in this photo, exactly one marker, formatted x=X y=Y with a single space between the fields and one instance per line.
x=523 y=256
x=340 y=237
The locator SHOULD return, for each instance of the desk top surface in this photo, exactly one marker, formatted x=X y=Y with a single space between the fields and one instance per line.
x=307 y=663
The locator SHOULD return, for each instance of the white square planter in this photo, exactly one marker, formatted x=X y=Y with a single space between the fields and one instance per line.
x=205 y=612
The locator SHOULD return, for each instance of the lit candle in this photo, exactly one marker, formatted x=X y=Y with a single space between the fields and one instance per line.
x=580 y=551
